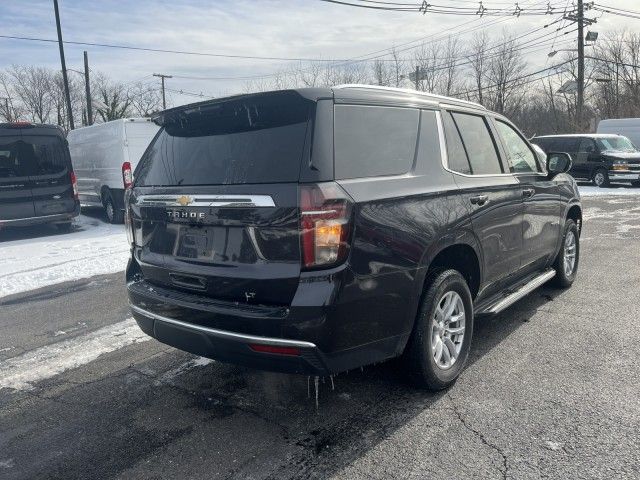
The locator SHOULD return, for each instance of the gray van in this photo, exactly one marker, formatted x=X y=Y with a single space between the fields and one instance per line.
x=37 y=183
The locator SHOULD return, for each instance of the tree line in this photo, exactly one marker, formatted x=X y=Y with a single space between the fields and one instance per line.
x=36 y=94
x=491 y=71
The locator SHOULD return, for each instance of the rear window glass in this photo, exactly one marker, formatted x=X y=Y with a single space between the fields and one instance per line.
x=374 y=141
x=255 y=139
x=32 y=155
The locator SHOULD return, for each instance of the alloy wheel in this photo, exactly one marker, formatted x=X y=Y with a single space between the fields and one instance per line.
x=599 y=179
x=447 y=330
x=570 y=250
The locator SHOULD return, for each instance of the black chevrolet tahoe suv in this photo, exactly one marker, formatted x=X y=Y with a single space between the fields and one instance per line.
x=37 y=183
x=317 y=230
x=597 y=158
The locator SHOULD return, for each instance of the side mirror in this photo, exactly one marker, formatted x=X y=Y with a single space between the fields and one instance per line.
x=558 y=162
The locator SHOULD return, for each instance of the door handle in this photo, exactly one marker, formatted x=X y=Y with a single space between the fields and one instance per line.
x=479 y=200
x=528 y=192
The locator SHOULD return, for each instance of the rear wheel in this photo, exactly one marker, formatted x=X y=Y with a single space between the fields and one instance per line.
x=566 y=263
x=601 y=178
x=114 y=214
x=439 y=345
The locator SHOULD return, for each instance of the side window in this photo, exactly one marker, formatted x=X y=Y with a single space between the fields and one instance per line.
x=478 y=143
x=374 y=141
x=520 y=156
x=586 y=145
x=456 y=154
x=567 y=144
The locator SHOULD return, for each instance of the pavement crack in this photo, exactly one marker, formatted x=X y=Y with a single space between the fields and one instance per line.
x=505 y=466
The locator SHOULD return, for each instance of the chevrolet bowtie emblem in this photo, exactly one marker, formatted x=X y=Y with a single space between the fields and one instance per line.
x=184 y=200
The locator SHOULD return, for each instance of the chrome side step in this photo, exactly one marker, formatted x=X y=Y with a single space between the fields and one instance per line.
x=521 y=292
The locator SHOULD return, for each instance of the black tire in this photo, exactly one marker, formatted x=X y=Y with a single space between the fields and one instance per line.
x=418 y=356
x=64 y=227
x=114 y=214
x=562 y=278
x=601 y=173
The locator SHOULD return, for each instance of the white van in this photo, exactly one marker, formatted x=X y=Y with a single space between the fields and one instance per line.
x=627 y=127
x=104 y=156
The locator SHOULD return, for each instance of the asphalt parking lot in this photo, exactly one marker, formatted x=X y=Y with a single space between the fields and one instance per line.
x=552 y=390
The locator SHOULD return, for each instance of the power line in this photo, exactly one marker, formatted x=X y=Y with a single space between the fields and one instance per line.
x=178 y=52
x=623 y=13
x=430 y=8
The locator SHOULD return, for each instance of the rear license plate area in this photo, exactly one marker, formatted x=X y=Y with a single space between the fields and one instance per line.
x=195 y=244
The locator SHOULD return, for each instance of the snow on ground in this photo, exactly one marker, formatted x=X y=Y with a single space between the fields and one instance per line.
x=591 y=191
x=20 y=373
x=92 y=248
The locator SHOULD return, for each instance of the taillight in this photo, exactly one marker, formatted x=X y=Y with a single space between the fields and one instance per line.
x=74 y=185
x=127 y=175
x=325 y=221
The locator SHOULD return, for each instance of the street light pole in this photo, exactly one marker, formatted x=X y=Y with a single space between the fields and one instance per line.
x=65 y=80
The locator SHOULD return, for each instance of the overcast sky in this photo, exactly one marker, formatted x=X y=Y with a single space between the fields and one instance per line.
x=275 y=28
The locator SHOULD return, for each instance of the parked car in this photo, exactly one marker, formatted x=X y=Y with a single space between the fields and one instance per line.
x=104 y=155
x=318 y=230
x=597 y=158
x=37 y=182
x=627 y=127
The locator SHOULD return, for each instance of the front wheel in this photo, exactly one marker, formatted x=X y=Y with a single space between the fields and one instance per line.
x=566 y=263
x=440 y=342
x=601 y=178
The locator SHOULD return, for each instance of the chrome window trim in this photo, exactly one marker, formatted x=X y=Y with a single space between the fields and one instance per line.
x=445 y=158
x=198 y=200
x=224 y=334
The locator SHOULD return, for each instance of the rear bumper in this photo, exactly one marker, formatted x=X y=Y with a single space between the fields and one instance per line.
x=231 y=347
x=29 y=221
x=330 y=336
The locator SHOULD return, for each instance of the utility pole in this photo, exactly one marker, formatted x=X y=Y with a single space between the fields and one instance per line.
x=580 y=79
x=417 y=77
x=64 y=66
x=162 y=77
x=87 y=88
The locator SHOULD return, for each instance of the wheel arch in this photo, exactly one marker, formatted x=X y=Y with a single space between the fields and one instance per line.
x=574 y=213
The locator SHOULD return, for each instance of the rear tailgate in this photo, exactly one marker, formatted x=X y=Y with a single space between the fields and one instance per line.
x=238 y=244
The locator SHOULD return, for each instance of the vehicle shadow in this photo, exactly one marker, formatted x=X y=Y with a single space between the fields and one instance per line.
x=47 y=230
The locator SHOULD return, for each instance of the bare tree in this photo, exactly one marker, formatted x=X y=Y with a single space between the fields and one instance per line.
x=8 y=109
x=450 y=65
x=145 y=99
x=427 y=60
x=113 y=99
x=505 y=71
x=32 y=86
x=479 y=63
